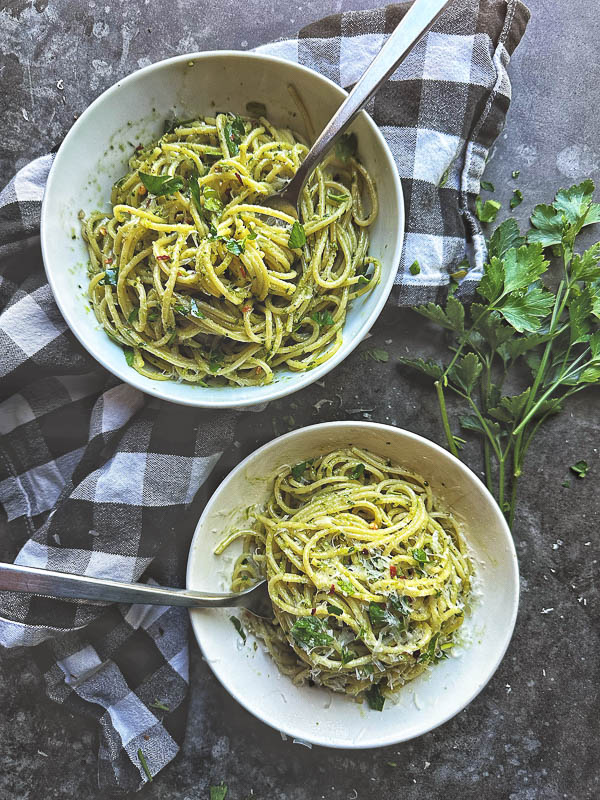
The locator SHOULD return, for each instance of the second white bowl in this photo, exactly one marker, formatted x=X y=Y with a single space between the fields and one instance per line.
x=317 y=715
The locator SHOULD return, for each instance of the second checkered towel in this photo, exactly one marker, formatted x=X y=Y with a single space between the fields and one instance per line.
x=94 y=476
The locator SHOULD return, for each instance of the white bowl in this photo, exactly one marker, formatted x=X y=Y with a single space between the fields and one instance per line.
x=317 y=715
x=94 y=155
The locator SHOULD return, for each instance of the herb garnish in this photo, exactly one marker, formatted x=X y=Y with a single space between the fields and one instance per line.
x=519 y=324
x=488 y=211
x=420 y=555
x=487 y=185
x=580 y=469
x=234 y=130
x=297 y=236
x=133 y=317
x=358 y=471
x=128 y=355
x=415 y=268
x=298 y=469
x=160 y=706
x=374 y=698
x=195 y=309
x=218 y=792
x=335 y=610
x=516 y=199
x=212 y=200
x=347 y=146
x=322 y=317
x=337 y=198
x=161 y=184
x=375 y=354
x=516 y=173
x=216 y=361
x=238 y=626
x=309 y=631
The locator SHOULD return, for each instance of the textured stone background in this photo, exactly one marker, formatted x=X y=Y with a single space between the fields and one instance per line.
x=528 y=735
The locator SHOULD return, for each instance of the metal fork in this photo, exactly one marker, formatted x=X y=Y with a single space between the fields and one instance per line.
x=416 y=22
x=49 y=583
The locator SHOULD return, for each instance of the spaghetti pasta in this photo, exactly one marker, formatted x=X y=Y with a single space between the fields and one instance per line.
x=368 y=577
x=198 y=283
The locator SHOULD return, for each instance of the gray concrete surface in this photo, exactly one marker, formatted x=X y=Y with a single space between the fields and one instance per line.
x=532 y=734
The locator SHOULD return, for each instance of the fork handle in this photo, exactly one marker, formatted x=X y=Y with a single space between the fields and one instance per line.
x=16 y=578
x=417 y=21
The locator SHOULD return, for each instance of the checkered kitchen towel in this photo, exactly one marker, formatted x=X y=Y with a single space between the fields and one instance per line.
x=94 y=476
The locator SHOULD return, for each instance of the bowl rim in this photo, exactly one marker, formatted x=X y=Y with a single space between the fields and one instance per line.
x=273 y=391
x=502 y=527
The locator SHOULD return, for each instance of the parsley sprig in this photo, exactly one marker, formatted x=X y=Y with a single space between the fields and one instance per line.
x=520 y=326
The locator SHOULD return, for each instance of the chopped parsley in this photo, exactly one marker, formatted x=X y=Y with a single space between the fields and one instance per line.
x=234 y=130
x=358 y=471
x=160 y=706
x=298 y=469
x=375 y=354
x=212 y=200
x=297 y=236
x=337 y=198
x=415 y=268
x=581 y=469
x=374 y=698
x=516 y=199
x=161 y=184
x=489 y=187
x=322 y=317
x=309 y=631
x=195 y=309
x=238 y=626
x=335 y=610
x=488 y=211
x=420 y=555
x=144 y=764
x=133 y=317
x=218 y=792
x=516 y=173
x=128 y=355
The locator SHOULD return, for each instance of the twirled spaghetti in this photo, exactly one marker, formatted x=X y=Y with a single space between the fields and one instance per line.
x=199 y=283
x=369 y=579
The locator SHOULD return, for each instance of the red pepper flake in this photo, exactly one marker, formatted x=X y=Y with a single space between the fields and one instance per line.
x=139 y=147
x=258 y=370
x=102 y=231
x=246 y=308
x=313 y=611
x=243 y=271
x=393 y=571
x=332 y=589
x=239 y=177
x=142 y=190
x=108 y=260
x=163 y=258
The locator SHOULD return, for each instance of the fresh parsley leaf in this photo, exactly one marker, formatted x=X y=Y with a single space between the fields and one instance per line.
x=256 y=109
x=238 y=626
x=212 y=200
x=488 y=211
x=194 y=188
x=159 y=185
x=586 y=267
x=218 y=792
x=466 y=371
x=523 y=266
x=516 y=173
x=236 y=246
x=525 y=310
x=580 y=316
x=375 y=354
x=362 y=279
x=374 y=698
x=233 y=131
x=337 y=198
x=428 y=367
x=358 y=471
x=309 y=631
x=322 y=317
x=580 y=468
x=420 y=555
x=335 y=610
x=128 y=355
x=401 y=605
x=110 y=278
x=548 y=226
x=453 y=318
x=347 y=656
x=297 y=236
x=414 y=268
x=492 y=282
x=299 y=469
x=505 y=236
x=377 y=614
x=347 y=146
x=489 y=187
x=516 y=199
x=134 y=316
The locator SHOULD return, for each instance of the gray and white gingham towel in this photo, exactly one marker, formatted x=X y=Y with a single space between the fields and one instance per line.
x=95 y=476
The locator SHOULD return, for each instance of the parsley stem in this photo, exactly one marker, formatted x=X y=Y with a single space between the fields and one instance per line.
x=442 y=403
